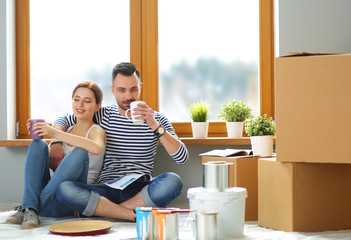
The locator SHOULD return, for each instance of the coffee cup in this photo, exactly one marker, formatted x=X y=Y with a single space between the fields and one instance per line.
x=131 y=109
x=32 y=122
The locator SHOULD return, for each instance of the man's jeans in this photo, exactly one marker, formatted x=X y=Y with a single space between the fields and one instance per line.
x=40 y=188
x=84 y=198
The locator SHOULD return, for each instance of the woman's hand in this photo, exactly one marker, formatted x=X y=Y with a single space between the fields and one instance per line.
x=43 y=129
x=29 y=124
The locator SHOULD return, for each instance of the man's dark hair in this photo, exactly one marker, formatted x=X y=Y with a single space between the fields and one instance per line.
x=126 y=69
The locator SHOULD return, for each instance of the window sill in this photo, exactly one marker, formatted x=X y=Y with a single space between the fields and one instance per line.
x=186 y=141
x=216 y=141
x=18 y=142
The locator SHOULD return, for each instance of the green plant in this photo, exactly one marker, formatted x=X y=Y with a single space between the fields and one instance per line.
x=260 y=126
x=235 y=111
x=199 y=111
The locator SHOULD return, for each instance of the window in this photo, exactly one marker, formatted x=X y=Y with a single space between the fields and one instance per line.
x=70 y=49
x=144 y=52
x=212 y=54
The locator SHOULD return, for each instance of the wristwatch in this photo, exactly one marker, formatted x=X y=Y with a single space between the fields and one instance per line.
x=159 y=131
x=52 y=143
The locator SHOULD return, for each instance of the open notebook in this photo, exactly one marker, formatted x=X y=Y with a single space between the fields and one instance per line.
x=227 y=153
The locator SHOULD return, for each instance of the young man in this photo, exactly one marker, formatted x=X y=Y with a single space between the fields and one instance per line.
x=130 y=149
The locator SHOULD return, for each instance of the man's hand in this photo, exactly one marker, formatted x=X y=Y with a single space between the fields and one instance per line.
x=146 y=113
x=56 y=155
x=170 y=142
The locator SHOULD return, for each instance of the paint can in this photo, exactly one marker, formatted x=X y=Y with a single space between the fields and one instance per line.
x=142 y=220
x=163 y=225
x=215 y=176
x=206 y=225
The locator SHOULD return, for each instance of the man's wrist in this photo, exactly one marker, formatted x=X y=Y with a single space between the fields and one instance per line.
x=154 y=127
x=159 y=131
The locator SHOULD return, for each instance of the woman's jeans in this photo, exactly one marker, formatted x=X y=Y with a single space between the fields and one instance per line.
x=40 y=188
x=84 y=198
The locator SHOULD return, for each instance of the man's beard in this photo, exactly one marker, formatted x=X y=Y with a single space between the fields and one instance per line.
x=122 y=106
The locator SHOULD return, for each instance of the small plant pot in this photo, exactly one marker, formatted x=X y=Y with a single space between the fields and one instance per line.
x=262 y=146
x=200 y=129
x=235 y=129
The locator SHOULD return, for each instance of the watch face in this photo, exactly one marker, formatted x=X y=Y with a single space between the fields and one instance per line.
x=161 y=130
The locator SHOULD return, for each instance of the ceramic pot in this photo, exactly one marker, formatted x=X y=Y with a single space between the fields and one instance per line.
x=235 y=129
x=200 y=129
x=262 y=146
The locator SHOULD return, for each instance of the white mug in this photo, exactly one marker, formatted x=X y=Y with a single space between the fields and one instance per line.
x=131 y=109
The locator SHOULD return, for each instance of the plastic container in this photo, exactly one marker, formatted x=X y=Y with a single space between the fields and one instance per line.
x=230 y=206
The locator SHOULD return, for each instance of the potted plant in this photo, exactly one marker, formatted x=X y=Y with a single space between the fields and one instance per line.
x=235 y=114
x=199 y=115
x=261 y=130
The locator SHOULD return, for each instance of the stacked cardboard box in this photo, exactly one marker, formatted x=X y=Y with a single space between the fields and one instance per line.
x=313 y=113
x=304 y=197
x=308 y=186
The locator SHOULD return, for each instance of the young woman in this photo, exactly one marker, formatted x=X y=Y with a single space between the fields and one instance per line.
x=84 y=146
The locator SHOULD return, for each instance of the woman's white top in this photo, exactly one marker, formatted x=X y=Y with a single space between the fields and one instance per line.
x=95 y=161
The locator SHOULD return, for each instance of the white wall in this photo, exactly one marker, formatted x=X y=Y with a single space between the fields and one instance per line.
x=7 y=69
x=11 y=69
x=322 y=26
x=11 y=159
x=3 y=65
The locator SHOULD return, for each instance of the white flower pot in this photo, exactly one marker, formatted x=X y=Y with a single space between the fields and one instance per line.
x=200 y=129
x=262 y=145
x=235 y=129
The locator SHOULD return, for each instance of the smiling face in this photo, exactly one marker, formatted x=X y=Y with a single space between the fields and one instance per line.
x=84 y=104
x=126 y=89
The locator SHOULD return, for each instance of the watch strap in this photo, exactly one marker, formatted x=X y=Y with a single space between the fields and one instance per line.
x=52 y=143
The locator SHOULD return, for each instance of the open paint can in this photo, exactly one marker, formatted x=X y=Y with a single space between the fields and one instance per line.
x=146 y=222
x=215 y=176
x=142 y=221
x=164 y=225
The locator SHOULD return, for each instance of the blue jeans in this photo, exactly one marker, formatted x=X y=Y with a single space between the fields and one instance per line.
x=84 y=198
x=40 y=188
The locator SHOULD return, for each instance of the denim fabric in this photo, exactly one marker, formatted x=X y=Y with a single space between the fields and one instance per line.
x=84 y=198
x=40 y=188
x=164 y=189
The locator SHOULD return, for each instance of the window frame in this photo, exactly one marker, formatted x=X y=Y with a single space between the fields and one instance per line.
x=144 y=53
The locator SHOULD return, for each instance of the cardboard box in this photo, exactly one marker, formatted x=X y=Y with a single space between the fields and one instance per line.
x=313 y=113
x=304 y=197
x=243 y=173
